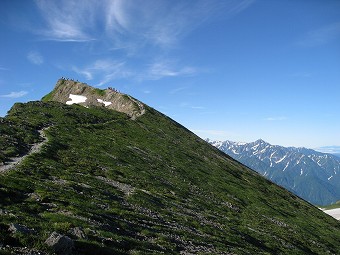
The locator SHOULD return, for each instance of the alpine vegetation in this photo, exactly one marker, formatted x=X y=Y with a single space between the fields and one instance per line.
x=122 y=178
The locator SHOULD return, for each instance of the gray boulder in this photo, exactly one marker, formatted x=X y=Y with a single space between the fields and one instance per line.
x=17 y=228
x=62 y=245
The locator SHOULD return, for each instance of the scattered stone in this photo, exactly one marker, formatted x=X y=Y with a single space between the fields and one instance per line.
x=62 y=245
x=78 y=232
x=17 y=228
x=20 y=250
x=123 y=187
x=33 y=252
x=34 y=196
x=3 y=212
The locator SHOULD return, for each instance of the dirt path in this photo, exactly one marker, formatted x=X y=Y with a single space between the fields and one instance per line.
x=36 y=147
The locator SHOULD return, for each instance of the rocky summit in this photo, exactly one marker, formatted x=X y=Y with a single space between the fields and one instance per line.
x=109 y=175
x=70 y=92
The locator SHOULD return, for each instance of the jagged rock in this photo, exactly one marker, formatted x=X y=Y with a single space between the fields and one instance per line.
x=70 y=92
x=15 y=228
x=62 y=245
x=78 y=232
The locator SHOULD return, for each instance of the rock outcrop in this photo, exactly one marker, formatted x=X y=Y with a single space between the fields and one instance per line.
x=61 y=244
x=73 y=92
x=17 y=228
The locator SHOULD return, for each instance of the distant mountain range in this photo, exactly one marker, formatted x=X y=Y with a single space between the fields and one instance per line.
x=335 y=150
x=312 y=175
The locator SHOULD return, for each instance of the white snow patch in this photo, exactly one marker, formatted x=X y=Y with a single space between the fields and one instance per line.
x=335 y=213
x=286 y=166
x=235 y=152
x=298 y=162
x=281 y=159
x=106 y=103
x=263 y=150
x=76 y=99
x=270 y=158
x=318 y=162
x=240 y=143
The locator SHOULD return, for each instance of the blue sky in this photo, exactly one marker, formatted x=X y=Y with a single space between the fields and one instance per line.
x=227 y=69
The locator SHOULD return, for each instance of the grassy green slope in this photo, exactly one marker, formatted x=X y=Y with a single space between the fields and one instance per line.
x=145 y=186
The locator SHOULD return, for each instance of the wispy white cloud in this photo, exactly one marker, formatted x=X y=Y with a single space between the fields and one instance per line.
x=105 y=70
x=15 y=94
x=278 y=118
x=108 y=70
x=67 y=20
x=321 y=35
x=129 y=26
x=35 y=57
x=163 y=23
x=197 y=107
x=165 y=68
x=177 y=90
x=130 y=23
x=3 y=68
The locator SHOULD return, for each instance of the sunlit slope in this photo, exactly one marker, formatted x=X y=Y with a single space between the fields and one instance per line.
x=144 y=186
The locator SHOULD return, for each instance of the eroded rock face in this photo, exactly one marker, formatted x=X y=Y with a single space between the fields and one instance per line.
x=61 y=244
x=73 y=92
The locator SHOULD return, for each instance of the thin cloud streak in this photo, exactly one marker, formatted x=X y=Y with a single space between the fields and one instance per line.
x=35 y=57
x=105 y=70
x=177 y=90
x=198 y=107
x=321 y=36
x=161 y=69
x=279 y=118
x=15 y=94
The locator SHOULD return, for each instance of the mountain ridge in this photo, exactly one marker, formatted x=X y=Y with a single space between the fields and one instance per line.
x=291 y=168
x=105 y=183
x=70 y=92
